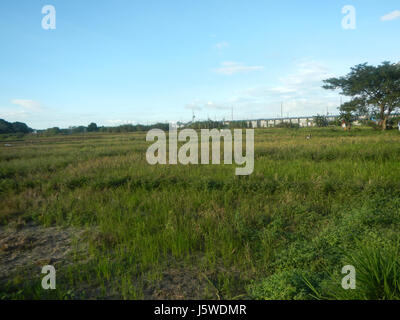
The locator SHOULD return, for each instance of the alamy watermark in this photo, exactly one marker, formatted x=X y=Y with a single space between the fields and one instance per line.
x=188 y=152
x=349 y=281
x=49 y=20
x=49 y=280
x=349 y=20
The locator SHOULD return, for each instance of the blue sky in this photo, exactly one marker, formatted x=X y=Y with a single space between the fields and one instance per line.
x=127 y=61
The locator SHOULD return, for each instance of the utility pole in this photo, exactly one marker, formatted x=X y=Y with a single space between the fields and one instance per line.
x=281 y=110
x=232 y=113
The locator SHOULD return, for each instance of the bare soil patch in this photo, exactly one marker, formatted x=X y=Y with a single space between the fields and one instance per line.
x=24 y=247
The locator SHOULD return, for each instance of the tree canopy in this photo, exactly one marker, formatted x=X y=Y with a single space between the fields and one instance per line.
x=92 y=127
x=373 y=89
x=15 y=127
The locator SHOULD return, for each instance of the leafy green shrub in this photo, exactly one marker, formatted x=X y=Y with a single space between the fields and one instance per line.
x=287 y=125
x=377 y=269
x=321 y=121
x=372 y=124
x=283 y=285
x=335 y=122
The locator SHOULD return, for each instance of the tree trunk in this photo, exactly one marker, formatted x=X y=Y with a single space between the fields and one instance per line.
x=384 y=123
x=383 y=118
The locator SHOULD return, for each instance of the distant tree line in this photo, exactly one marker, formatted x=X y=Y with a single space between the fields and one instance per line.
x=210 y=124
x=92 y=127
x=13 y=127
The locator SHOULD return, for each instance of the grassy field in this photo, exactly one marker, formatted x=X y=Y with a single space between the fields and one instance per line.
x=285 y=232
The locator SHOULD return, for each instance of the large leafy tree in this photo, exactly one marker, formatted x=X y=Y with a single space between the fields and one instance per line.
x=373 y=89
x=15 y=127
x=21 y=127
x=5 y=126
x=92 y=127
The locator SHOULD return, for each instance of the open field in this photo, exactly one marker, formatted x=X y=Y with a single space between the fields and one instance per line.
x=139 y=231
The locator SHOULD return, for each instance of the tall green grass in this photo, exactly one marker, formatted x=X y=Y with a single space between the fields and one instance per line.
x=306 y=206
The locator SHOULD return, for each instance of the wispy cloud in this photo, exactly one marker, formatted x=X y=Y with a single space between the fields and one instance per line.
x=300 y=91
x=391 y=16
x=117 y=122
x=15 y=114
x=305 y=79
x=217 y=105
x=221 y=45
x=27 y=104
x=198 y=105
x=231 y=67
x=194 y=106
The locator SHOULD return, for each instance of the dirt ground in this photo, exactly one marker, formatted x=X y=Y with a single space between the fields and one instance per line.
x=26 y=248
x=23 y=247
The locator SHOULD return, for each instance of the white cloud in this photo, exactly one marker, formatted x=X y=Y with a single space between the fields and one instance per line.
x=307 y=77
x=27 y=104
x=231 y=67
x=305 y=80
x=391 y=16
x=118 y=122
x=221 y=45
x=15 y=114
x=194 y=106
x=300 y=91
x=199 y=105
x=217 y=105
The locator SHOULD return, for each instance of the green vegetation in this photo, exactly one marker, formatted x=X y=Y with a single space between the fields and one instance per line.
x=15 y=127
x=373 y=91
x=321 y=121
x=285 y=232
